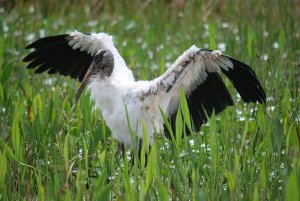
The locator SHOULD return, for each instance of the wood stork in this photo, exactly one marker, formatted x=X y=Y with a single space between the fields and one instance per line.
x=96 y=63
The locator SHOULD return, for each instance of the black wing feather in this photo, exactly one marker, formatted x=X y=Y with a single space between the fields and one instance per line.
x=245 y=81
x=54 y=55
x=46 y=41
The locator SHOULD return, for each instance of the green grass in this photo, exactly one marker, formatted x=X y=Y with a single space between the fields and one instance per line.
x=248 y=152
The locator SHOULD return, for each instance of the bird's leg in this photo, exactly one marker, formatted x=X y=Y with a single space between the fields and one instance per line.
x=139 y=153
x=146 y=152
x=121 y=148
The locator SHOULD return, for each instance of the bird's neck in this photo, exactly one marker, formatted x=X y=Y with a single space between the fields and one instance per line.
x=121 y=71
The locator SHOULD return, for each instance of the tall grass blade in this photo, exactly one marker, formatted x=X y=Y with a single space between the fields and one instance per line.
x=185 y=110
x=292 y=187
x=41 y=190
x=250 y=41
x=212 y=36
x=167 y=123
x=16 y=135
x=3 y=166
x=1 y=93
x=66 y=151
x=282 y=41
x=1 y=54
x=179 y=127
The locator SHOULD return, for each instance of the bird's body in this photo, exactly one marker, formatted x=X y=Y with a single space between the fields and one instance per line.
x=113 y=99
x=94 y=60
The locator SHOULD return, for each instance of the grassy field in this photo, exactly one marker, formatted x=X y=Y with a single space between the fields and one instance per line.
x=248 y=152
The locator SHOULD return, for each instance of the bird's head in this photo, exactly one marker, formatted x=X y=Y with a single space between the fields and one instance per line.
x=103 y=63
x=102 y=66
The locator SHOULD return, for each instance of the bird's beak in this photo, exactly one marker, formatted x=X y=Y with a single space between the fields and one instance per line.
x=84 y=83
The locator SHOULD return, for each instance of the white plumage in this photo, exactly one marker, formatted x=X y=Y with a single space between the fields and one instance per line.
x=195 y=71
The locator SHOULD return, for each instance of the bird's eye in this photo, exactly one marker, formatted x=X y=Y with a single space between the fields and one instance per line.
x=98 y=58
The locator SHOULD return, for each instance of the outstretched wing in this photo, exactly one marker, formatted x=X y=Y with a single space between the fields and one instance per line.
x=66 y=54
x=196 y=71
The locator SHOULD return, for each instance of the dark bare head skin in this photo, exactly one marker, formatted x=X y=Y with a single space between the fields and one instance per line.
x=103 y=63
x=102 y=66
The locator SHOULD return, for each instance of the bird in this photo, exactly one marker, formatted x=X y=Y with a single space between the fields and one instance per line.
x=132 y=106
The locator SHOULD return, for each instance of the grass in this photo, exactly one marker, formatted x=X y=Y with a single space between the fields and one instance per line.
x=249 y=152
